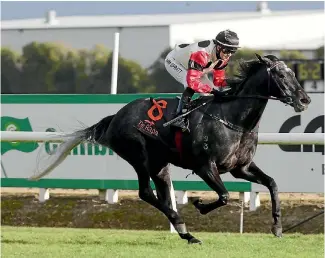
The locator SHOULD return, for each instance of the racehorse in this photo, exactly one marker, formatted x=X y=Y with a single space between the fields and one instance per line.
x=223 y=138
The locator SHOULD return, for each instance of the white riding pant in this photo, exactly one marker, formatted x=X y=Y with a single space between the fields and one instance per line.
x=179 y=72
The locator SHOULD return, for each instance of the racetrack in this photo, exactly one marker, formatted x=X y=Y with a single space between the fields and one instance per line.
x=57 y=227
x=59 y=242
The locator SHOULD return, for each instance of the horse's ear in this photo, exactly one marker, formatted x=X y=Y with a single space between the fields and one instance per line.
x=263 y=59
x=260 y=58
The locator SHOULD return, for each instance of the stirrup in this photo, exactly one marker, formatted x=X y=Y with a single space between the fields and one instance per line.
x=186 y=127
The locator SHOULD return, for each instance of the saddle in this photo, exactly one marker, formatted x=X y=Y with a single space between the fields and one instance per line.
x=157 y=121
x=161 y=111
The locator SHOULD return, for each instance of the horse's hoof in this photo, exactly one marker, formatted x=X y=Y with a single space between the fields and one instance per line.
x=197 y=203
x=277 y=231
x=194 y=241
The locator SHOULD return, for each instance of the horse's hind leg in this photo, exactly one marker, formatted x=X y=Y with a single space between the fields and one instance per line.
x=162 y=182
x=210 y=175
x=256 y=175
x=135 y=152
x=147 y=195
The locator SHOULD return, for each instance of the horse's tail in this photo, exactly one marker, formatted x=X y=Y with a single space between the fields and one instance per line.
x=91 y=134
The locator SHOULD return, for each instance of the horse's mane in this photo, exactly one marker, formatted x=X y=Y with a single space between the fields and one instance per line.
x=245 y=70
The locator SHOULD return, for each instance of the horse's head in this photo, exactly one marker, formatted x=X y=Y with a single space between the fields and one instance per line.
x=283 y=83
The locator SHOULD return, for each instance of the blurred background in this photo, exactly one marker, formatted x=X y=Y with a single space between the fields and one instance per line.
x=66 y=47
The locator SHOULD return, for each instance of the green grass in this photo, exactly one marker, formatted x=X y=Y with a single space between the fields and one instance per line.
x=63 y=242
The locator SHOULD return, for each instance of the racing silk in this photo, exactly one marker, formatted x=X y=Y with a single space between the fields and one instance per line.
x=198 y=57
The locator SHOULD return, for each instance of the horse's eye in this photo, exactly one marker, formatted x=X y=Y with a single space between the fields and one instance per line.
x=281 y=76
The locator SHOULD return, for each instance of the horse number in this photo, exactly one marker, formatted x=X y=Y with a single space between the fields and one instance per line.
x=159 y=105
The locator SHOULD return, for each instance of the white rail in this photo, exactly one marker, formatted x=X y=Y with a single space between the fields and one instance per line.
x=17 y=136
x=291 y=138
x=263 y=138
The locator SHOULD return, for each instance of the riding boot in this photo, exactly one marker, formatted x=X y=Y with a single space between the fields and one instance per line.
x=182 y=108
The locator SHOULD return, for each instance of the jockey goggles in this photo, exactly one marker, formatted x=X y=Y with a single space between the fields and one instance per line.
x=226 y=50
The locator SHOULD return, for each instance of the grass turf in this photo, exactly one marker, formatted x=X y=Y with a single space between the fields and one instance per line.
x=68 y=242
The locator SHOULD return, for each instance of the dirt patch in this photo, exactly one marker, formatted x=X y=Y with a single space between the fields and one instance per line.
x=83 y=209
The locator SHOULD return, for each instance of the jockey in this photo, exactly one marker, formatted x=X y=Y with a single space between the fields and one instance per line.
x=189 y=64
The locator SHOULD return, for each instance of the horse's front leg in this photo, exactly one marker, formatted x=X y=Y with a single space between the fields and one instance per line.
x=256 y=175
x=209 y=173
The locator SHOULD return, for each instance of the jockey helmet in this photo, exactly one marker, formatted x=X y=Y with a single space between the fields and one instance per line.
x=227 y=39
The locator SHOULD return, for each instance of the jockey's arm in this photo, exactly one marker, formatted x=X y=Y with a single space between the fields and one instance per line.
x=198 y=60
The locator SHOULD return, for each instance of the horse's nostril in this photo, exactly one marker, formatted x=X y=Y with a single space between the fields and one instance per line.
x=304 y=101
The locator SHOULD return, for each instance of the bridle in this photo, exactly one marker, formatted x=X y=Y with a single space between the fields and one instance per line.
x=287 y=99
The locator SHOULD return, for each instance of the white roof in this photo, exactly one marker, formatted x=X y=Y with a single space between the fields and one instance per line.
x=139 y=20
x=295 y=30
